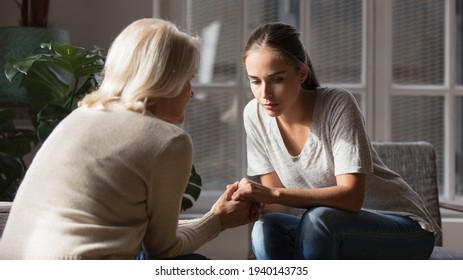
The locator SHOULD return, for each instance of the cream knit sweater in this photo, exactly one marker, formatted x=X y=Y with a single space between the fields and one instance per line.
x=103 y=185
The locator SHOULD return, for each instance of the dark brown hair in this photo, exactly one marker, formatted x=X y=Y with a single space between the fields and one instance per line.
x=285 y=41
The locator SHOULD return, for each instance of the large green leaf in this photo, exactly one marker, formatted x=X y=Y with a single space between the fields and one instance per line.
x=192 y=190
x=13 y=68
x=77 y=61
x=48 y=118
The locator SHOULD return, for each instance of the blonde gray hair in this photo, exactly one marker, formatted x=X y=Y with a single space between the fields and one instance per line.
x=151 y=58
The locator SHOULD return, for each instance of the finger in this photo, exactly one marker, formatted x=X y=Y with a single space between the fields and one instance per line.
x=243 y=181
x=231 y=189
x=235 y=196
x=231 y=185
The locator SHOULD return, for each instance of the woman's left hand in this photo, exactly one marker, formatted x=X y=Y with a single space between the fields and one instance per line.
x=250 y=190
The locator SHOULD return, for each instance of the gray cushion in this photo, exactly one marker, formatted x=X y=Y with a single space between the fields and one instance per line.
x=416 y=163
x=441 y=253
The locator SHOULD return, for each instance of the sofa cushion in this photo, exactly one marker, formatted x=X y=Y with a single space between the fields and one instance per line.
x=441 y=253
x=416 y=163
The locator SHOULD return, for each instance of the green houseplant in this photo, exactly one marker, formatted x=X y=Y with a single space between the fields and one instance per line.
x=56 y=80
x=23 y=40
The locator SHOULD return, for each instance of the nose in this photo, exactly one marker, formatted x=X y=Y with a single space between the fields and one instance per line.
x=266 y=91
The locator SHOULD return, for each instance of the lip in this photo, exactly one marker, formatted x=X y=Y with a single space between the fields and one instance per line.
x=269 y=106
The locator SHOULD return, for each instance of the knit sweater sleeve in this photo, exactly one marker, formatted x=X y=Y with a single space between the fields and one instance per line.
x=164 y=238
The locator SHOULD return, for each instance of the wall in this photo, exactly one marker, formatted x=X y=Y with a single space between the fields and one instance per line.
x=90 y=23
x=452 y=229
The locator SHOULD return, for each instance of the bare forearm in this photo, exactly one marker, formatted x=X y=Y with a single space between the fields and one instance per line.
x=347 y=196
x=342 y=197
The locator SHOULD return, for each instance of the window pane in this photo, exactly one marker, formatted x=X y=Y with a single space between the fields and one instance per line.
x=420 y=118
x=216 y=22
x=459 y=146
x=211 y=120
x=335 y=45
x=418 y=42
x=263 y=11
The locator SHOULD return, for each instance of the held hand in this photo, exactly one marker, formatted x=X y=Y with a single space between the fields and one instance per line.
x=250 y=190
x=233 y=213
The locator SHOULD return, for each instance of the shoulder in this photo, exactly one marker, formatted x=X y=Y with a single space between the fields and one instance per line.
x=336 y=99
x=335 y=95
x=134 y=128
x=152 y=125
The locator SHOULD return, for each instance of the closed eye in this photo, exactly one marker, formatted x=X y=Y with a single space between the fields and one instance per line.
x=277 y=80
x=254 y=82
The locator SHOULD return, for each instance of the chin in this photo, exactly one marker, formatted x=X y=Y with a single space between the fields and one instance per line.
x=178 y=120
x=272 y=113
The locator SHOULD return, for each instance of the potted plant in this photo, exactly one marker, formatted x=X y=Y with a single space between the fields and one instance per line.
x=20 y=41
x=56 y=80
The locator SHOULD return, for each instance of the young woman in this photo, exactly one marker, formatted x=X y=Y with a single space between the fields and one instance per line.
x=110 y=178
x=310 y=149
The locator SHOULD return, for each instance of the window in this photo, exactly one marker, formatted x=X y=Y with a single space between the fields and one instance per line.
x=401 y=59
x=420 y=85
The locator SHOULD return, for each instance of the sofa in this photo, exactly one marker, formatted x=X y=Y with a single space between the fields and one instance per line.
x=416 y=163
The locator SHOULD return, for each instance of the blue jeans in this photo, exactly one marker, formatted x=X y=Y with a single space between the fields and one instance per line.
x=329 y=233
x=193 y=256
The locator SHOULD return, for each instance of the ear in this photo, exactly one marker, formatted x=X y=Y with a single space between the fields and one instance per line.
x=304 y=73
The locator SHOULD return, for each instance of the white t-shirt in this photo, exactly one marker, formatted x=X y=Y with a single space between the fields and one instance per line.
x=337 y=144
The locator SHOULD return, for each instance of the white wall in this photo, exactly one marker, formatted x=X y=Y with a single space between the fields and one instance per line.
x=89 y=22
x=453 y=233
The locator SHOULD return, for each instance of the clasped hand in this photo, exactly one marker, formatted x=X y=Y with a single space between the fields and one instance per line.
x=235 y=212
x=242 y=203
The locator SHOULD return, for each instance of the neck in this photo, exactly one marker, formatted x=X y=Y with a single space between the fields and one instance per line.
x=302 y=111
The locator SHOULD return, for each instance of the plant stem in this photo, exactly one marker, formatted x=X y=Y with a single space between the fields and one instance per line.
x=72 y=93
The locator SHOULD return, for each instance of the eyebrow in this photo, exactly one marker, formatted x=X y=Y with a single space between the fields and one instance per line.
x=271 y=75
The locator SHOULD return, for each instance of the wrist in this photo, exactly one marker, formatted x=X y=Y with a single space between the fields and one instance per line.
x=275 y=194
